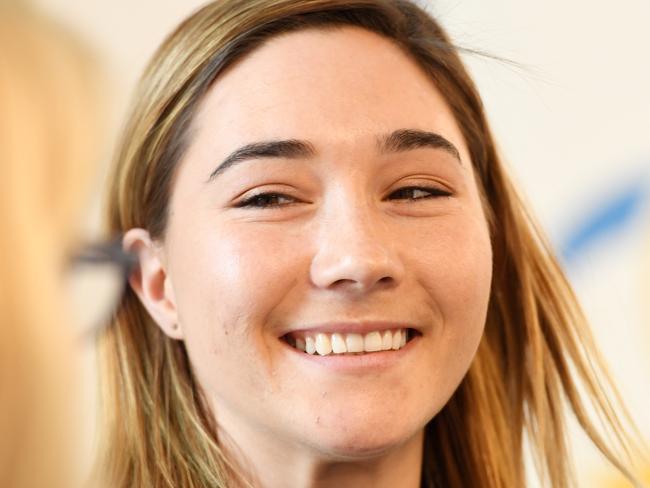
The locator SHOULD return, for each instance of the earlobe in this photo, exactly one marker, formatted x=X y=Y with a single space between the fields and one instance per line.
x=152 y=283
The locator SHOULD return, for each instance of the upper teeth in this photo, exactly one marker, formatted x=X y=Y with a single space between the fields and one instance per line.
x=338 y=343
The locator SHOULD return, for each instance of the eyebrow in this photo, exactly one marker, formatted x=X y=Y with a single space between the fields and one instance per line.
x=401 y=140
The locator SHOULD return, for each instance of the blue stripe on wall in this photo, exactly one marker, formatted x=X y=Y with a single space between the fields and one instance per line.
x=608 y=218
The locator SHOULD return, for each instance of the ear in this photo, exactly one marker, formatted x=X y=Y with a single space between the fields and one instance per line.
x=151 y=281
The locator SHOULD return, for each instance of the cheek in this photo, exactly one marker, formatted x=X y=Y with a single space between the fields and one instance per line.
x=256 y=267
x=456 y=272
x=232 y=273
x=228 y=283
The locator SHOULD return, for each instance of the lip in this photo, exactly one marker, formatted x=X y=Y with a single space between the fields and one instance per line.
x=357 y=327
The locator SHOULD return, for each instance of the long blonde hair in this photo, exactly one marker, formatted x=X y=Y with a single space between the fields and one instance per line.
x=536 y=353
x=48 y=91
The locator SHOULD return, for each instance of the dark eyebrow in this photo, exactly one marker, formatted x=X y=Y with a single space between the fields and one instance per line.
x=408 y=139
x=289 y=149
x=398 y=141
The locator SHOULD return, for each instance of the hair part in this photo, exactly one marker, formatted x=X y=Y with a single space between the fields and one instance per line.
x=536 y=349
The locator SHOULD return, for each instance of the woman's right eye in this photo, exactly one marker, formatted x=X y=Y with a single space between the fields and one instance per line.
x=266 y=200
x=418 y=193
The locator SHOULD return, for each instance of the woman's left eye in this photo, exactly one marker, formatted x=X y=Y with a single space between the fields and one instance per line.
x=266 y=200
x=418 y=193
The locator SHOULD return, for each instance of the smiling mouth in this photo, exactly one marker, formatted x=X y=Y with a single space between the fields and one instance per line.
x=325 y=344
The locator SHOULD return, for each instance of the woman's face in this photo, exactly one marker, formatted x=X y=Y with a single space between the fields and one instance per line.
x=347 y=208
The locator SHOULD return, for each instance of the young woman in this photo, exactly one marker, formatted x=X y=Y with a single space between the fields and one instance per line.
x=338 y=284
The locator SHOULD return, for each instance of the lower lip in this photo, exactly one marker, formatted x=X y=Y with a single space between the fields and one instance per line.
x=356 y=363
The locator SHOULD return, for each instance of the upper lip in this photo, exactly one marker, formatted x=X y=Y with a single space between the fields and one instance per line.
x=358 y=327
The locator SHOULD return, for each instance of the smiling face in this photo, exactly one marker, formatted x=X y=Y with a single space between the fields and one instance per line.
x=351 y=209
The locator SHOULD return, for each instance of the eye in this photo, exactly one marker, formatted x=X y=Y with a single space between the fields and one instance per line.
x=266 y=200
x=418 y=193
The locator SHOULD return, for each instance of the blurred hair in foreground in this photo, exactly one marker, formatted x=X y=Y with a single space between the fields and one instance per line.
x=47 y=153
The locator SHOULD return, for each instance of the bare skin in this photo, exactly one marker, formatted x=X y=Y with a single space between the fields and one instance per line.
x=350 y=231
x=400 y=466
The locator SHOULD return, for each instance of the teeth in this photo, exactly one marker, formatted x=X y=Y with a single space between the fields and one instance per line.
x=387 y=341
x=372 y=342
x=300 y=344
x=310 y=345
x=354 y=342
x=397 y=340
x=323 y=344
x=337 y=343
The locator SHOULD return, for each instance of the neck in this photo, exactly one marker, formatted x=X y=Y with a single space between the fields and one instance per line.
x=270 y=463
x=400 y=466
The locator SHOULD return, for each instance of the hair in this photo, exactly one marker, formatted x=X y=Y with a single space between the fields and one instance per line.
x=536 y=353
x=48 y=95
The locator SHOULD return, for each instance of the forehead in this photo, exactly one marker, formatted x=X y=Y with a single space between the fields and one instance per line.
x=333 y=86
x=340 y=90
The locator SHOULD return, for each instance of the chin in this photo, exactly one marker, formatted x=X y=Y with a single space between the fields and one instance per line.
x=347 y=443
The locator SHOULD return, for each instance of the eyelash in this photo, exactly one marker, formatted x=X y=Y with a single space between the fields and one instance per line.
x=255 y=200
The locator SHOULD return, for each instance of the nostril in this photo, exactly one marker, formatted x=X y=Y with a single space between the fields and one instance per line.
x=386 y=282
x=343 y=283
x=363 y=284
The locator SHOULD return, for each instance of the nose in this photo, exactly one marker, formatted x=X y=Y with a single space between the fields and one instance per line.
x=357 y=252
